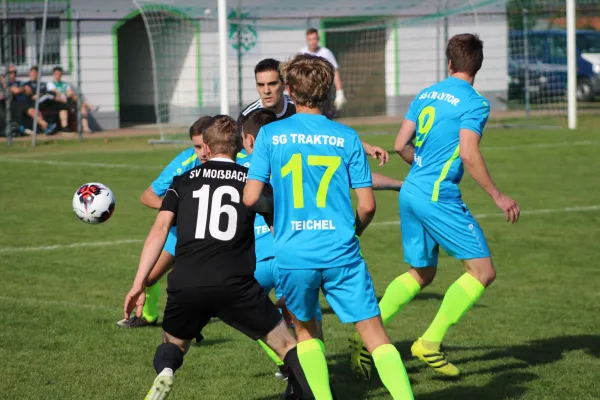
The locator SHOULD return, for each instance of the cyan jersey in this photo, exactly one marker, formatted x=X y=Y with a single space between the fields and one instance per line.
x=440 y=111
x=184 y=162
x=262 y=234
x=241 y=158
x=313 y=162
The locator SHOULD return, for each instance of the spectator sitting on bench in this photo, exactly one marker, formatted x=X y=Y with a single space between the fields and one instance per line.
x=20 y=105
x=30 y=89
x=66 y=97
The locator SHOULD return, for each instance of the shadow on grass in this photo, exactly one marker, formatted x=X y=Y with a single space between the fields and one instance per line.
x=509 y=377
x=539 y=352
x=507 y=385
x=509 y=381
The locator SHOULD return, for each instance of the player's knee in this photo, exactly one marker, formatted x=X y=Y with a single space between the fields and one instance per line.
x=424 y=276
x=183 y=345
x=489 y=276
x=482 y=269
x=372 y=333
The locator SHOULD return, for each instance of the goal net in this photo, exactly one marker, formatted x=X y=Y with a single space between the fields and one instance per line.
x=181 y=64
x=386 y=54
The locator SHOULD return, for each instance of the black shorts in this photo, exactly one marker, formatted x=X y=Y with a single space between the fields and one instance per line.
x=241 y=304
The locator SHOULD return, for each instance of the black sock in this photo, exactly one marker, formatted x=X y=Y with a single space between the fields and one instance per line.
x=167 y=355
x=298 y=377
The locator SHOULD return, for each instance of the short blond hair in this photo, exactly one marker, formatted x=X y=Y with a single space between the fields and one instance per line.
x=220 y=135
x=309 y=79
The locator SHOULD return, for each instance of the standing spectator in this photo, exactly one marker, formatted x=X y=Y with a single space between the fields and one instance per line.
x=14 y=88
x=30 y=89
x=312 y=47
x=67 y=99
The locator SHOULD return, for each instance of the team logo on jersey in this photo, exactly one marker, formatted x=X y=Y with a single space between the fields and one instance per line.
x=243 y=36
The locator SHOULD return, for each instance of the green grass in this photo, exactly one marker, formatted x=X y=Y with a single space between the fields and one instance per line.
x=534 y=335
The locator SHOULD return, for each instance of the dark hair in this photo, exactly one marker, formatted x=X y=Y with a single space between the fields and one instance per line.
x=220 y=135
x=268 y=64
x=465 y=51
x=309 y=79
x=310 y=31
x=199 y=126
x=34 y=68
x=256 y=120
x=57 y=68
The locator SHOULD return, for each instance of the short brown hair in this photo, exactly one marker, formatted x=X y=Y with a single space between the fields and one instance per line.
x=199 y=126
x=309 y=79
x=256 y=120
x=465 y=51
x=220 y=135
x=310 y=31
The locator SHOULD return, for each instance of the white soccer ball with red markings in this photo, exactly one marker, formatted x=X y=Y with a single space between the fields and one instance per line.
x=93 y=203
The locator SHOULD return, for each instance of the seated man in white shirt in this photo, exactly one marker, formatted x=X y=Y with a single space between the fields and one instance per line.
x=66 y=99
x=312 y=47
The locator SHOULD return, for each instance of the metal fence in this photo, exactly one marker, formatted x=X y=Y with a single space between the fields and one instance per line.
x=384 y=59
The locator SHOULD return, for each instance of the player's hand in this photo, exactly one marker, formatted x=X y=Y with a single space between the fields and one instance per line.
x=135 y=298
x=340 y=100
x=509 y=206
x=380 y=154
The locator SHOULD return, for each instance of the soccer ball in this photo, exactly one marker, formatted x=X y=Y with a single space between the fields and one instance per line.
x=93 y=203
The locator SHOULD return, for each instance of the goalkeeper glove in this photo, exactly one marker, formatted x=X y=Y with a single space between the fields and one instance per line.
x=340 y=100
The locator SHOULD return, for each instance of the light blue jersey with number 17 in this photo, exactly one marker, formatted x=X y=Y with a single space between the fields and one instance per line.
x=262 y=234
x=440 y=112
x=313 y=162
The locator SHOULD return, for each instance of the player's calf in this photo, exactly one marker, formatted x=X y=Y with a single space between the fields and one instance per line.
x=167 y=359
x=386 y=357
x=282 y=342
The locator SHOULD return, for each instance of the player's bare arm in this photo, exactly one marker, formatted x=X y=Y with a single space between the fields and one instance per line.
x=382 y=182
x=162 y=266
x=252 y=193
x=376 y=152
x=150 y=253
x=257 y=202
x=403 y=145
x=150 y=199
x=475 y=165
x=365 y=210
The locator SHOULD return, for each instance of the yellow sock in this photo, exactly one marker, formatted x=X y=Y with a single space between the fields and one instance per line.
x=150 y=312
x=392 y=372
x=311 y=354
x=397 y=295
x=459 y=299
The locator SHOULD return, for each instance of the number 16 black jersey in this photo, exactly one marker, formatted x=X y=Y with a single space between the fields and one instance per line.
x=215 y=231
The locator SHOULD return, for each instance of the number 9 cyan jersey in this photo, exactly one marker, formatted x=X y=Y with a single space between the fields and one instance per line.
x=313 y=163
x=440 y=112
x=215 y=231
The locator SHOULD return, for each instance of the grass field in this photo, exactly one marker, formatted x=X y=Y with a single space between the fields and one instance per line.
x=535 y=334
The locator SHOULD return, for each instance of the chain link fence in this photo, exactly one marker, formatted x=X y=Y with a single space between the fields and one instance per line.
x=386 y=54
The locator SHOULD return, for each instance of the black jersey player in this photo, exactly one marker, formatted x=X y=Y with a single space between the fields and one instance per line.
x=213 y=274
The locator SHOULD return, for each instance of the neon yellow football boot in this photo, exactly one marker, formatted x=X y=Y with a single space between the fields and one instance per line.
x=436 y=359
x=360 y=359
